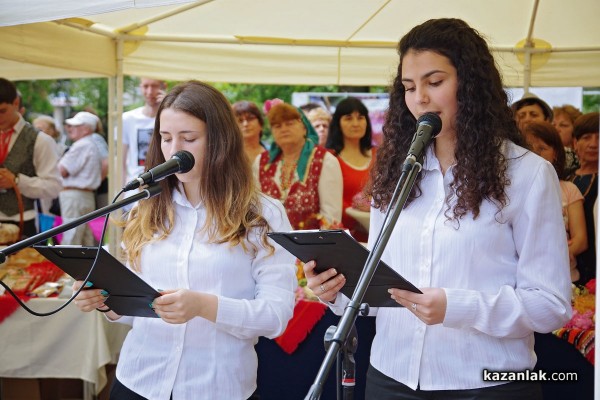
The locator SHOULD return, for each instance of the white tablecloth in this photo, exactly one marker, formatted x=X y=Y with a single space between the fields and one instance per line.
x=69 y=344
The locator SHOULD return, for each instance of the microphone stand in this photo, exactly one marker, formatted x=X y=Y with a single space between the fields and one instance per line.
x=410 y=170
x=144 y=194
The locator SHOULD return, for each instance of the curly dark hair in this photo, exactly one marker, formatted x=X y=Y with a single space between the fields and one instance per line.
x=483 y=121
x=335 y=138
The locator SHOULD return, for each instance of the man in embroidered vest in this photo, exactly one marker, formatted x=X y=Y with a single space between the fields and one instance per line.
x=28 y=162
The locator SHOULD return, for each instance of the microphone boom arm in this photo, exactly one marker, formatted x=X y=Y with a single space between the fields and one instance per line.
x=144 y=194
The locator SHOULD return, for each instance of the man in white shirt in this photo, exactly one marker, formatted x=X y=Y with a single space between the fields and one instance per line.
x=81 y=171
x=138 y=125
x=28 y=162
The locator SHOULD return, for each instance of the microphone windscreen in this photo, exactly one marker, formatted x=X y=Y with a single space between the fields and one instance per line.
x=186 y=160
x=432 y=120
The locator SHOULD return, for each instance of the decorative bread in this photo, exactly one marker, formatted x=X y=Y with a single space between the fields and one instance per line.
x=9 y=233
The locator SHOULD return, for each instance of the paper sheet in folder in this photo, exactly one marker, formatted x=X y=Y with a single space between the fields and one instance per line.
x=337 y=249
x=129 y=294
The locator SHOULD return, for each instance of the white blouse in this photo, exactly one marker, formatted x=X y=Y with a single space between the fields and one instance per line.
x=201 y=359
x=505 y=274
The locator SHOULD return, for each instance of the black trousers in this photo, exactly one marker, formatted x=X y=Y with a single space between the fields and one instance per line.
x=118 y=391
x=382 y=387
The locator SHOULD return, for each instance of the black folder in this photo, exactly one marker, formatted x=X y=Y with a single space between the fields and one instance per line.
x=337 y=249
x=128 y=293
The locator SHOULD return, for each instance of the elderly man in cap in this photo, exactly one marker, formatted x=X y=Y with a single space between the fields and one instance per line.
x=81 y=171
x=531 y=109
x=27 y=163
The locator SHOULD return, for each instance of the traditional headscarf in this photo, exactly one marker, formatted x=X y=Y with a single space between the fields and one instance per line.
x=312 y=139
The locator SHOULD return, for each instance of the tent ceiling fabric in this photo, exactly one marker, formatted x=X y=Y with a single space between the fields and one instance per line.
x=29 y=11
x=347 y=42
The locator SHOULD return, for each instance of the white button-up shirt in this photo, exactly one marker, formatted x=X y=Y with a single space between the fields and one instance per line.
x=201 y=359
x=505 y=274
x=83 y=163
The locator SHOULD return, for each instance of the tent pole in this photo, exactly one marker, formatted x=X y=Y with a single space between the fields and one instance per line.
x=115 y=148
x=529 y=45
x=527 y=70
x=110 y=138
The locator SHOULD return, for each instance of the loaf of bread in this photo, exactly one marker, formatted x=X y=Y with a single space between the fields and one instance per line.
x=9 y=233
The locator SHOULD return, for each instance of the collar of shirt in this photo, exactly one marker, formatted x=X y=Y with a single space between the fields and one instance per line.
x=18 y=127
x=430 y=161
x=180 y=198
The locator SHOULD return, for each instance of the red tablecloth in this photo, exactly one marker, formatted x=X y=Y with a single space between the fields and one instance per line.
x=9 y=305
x=37 y=274
x=306 y=315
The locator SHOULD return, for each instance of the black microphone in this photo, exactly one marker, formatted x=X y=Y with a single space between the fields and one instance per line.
x=428 y=127
x=181 y=162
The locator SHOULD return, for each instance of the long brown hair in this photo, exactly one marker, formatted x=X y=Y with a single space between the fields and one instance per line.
x=483 y=121
x=227 y=187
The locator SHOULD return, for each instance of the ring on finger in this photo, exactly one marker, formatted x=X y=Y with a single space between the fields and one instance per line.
x=322 y=288
x=414 y=307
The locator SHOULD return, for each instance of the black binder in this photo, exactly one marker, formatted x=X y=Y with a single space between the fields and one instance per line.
x=129 y=294
x=337 y=249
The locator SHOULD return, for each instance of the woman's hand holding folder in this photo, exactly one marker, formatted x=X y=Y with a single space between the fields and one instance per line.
x=325 y=285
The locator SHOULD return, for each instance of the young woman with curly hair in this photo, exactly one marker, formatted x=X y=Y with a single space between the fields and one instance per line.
x=203 y=239
x=482 y=234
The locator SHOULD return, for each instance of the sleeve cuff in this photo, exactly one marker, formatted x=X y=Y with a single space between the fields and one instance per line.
x=461 y=310
x=227 y=311
x=339 y=304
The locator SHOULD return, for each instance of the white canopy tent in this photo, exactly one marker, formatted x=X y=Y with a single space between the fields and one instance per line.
x=346 y=42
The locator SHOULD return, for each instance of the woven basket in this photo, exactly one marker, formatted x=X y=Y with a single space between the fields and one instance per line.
x=9 y=235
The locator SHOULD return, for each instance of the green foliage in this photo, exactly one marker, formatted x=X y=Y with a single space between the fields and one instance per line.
x=591 y=100
x=90 y=94
x=35 y=96
x=259 y=93
x=93 y=95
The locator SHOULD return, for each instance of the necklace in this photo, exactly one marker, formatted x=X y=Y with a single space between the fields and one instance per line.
x=287 y=174
x=581 y=178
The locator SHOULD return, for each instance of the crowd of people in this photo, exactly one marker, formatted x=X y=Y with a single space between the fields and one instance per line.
x=497 y=234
